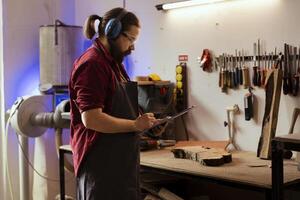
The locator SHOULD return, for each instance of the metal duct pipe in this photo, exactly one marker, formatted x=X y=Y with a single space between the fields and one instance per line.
x=54 y=119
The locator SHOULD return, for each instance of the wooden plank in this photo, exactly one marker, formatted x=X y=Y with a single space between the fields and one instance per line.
x=204 y=155
x=269 y=124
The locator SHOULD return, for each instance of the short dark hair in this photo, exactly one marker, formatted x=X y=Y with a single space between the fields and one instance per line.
x=130 y=19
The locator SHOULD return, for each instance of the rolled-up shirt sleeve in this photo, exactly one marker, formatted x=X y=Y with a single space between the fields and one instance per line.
x=90 y=86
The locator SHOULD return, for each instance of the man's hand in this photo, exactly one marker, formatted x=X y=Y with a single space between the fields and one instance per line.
x=144 y=121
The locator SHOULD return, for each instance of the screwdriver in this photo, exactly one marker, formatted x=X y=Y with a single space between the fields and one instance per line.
x=240 y=69
x=237 y=77
x=258 y=67
x=254 y=78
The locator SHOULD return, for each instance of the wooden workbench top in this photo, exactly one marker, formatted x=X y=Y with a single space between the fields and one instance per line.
x=240 y=170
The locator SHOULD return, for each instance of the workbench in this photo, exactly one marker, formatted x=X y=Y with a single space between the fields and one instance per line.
x=279 y=170
x=246 y=171
x=237 y=174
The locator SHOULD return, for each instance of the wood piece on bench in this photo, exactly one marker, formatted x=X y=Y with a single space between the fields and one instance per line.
x=204 y=155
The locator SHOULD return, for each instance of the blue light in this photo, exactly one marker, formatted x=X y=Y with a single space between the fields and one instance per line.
x=129 y=65
x=59 y=97
x=87 y=44
x=25 y=82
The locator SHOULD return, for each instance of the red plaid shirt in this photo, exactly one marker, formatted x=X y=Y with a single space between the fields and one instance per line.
x=91 y=86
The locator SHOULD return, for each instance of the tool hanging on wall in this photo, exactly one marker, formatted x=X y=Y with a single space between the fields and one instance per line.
x=264 y=70
x=223 y=75
x=230 y=72
x=290 y=78
x=206 y=61
x=254 y=77
x=233 y=74
x=231 y=128
x=274 y=58
x=290 y=65
x=269 y=62
x=295 y=76
x=246 y=74
x=285 y=73
x=220 y=64
x=237 y=75
x=228 y=77
x=248 y=104
x=259 y=64
x=240 y=69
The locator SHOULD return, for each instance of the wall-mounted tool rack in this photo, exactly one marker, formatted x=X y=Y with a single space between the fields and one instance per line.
x=235 y=70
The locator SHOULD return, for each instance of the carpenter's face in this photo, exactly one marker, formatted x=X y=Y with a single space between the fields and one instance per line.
x=128 y=39
x=124 y=44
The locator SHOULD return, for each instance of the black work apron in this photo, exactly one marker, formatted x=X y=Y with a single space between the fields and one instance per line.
x=111 y=169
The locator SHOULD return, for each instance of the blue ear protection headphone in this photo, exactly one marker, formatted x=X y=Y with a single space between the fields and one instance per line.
x=114 y=26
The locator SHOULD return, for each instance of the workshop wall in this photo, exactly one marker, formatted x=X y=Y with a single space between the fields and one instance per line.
x=221 y=28
x=2 y=113
x=21 y=22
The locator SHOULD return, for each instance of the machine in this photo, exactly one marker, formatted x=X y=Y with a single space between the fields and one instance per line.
x=31 y=116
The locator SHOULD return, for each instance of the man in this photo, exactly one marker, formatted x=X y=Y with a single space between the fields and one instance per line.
x=104 y=111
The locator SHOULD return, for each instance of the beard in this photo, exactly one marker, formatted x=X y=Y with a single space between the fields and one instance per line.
x=116 y=53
